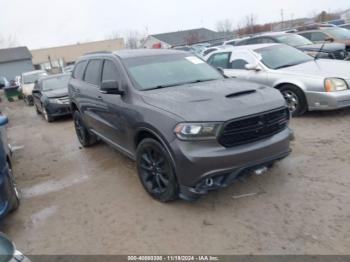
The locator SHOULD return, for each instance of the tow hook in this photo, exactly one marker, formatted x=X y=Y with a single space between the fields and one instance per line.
x=260 y=171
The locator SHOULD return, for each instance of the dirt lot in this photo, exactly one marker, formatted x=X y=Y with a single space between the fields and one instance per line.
x=90 y=201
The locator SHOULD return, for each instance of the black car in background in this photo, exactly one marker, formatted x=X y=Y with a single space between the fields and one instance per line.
x=9 y=196
x=50 y=96
x=329 y=50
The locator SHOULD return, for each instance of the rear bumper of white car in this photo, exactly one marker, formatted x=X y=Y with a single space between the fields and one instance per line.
x=328 y=100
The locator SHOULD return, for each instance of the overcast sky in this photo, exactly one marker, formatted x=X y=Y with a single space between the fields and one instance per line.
x=45 y=23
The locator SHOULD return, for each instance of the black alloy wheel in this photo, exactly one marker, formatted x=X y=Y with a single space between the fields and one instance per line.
x=156 y=170
x=85 y=138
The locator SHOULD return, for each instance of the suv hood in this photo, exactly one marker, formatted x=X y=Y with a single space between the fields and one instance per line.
x=56 y=93
x=328 y=48
x=320 y=68
x=219 y=100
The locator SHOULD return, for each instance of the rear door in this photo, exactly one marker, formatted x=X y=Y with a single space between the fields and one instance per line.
x=90 y=94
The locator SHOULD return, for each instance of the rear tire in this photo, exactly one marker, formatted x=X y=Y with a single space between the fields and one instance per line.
x=156 y=170
x=295 y=99
x=28 y=101
x=85 y=137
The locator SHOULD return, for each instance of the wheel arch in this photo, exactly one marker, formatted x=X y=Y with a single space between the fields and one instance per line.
x=297 y=85
x=149 y=132
x=74 y=107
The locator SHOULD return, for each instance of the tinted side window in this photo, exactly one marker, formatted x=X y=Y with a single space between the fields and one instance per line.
x=93 y=72
x=110 y=71
x=220 y=60
x=265 y=40
x=318 y=36
x=238 y=64
x=306 y=35
x=79 y=70
x=253 y=41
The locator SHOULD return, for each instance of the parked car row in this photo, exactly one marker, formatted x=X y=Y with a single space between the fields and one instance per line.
x=321 y=40
x=306 y=83
x=192 y=127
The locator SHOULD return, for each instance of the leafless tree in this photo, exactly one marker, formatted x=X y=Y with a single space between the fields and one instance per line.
x=9 y=41
x=132 y=39
x=192 y=38
x=250 y=22
x=224 y=26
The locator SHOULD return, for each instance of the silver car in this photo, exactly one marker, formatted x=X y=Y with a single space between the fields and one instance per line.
x=305 y=82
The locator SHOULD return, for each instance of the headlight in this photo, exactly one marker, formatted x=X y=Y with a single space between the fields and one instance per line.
x=335 y=84
x=197 y=131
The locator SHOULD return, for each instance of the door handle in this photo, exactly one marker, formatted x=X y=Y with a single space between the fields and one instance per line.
x=100 y=98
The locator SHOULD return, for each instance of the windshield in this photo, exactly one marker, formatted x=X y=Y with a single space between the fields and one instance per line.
x=293 y=40
x=58 y=82
x=31 y=78
x=280 y=56
x=339 y=33
x=169 y=70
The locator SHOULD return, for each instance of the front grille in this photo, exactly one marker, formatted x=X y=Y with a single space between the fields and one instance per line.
x=64 y=100
x=252 y=128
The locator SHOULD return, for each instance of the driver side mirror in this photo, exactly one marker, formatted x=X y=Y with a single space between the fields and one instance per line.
x=255 y=67
x=111 y=87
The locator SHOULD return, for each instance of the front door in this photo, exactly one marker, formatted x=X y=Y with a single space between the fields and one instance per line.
x=236 y=68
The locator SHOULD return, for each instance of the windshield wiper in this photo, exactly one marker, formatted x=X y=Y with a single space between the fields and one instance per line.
x=287 y=65
x=163 y=86
x=201 y=80
x=180 y=84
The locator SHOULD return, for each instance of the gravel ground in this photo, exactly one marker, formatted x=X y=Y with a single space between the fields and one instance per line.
x=90 y=201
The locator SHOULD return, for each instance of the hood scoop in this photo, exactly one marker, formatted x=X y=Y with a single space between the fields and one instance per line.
x=241 y=93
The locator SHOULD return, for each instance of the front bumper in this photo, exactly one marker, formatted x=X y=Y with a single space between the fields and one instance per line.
x=198 y=161
x=328 y=100
x=58 y=109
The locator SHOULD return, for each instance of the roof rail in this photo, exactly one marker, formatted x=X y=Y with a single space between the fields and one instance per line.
x=98 y=52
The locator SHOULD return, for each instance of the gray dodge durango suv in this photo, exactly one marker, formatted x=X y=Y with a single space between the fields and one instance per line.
x=189 y=129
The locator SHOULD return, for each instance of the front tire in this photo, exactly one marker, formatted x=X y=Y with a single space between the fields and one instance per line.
x=85 y=137
x=37 y=110
x=46 y=115
x=156 y=170
x=295 y=99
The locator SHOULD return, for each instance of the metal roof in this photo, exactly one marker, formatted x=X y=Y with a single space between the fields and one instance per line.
x=14 y=54
x=180 y=38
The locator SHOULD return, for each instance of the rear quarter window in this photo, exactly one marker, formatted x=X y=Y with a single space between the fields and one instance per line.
x=79 y=69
